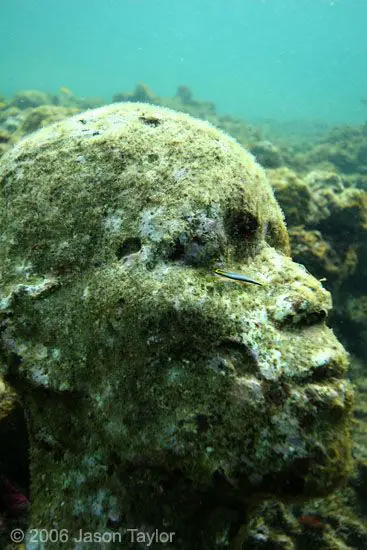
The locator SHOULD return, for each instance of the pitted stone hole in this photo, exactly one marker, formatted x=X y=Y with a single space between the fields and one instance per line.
x=192 y=252
x=177 y=254
x=150 y=120
x=153 y=157
x=129 y=246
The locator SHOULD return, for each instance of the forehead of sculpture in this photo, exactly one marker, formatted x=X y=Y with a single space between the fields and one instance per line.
x=76 y=184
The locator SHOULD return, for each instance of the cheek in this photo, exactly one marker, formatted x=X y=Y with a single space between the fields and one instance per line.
x=222 y=386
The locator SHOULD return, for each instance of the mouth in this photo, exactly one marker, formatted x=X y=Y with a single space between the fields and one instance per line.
x=299 y=420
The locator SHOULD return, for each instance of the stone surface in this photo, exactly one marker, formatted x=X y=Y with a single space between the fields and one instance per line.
x=159 y=395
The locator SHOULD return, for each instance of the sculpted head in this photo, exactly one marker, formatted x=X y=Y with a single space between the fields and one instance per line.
x=157 y=390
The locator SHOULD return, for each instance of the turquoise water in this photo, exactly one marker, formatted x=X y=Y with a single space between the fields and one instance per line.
x=284 y=59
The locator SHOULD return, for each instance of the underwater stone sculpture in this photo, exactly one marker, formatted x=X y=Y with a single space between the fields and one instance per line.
x=158 y=394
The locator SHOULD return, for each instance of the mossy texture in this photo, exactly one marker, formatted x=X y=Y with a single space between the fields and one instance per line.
x=159 y=394
x=7 y=399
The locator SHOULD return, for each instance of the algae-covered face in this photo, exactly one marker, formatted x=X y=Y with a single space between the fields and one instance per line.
x=233 y=382
x=115 y=320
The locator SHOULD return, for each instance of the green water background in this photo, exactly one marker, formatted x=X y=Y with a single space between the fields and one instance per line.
x=282 y=59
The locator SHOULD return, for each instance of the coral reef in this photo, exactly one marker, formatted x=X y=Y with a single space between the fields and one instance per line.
x=267 y=154
x=343 y=149
x=30 y=98
x=159 y=395
x=41 y=116
x=184 y=101
x=328 y=231
x=142 y=93
x=30 y=110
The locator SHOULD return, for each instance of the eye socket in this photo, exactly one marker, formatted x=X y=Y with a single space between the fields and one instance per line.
x=177 y=253
x=241 y=226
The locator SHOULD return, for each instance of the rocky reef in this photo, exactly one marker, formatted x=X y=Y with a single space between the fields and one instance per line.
x=158 y=394
x=328 y=230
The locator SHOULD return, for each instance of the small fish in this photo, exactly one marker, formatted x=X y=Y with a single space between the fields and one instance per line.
x=65 y=91
x=236 y=277
x=312 y=523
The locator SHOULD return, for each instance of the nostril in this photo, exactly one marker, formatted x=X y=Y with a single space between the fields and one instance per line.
x=290 y=310
x=315 y=317
x=308 y=318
